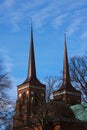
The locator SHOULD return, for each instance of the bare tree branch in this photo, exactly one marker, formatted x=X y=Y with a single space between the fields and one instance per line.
x=78 y=71
x=5 y=84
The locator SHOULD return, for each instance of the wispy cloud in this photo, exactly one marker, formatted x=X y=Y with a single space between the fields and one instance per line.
x=74 y=26
x=6 y=59
x=59 y=20
x=84 y=35
x=8 y=63
x=69 y=14
x=8 y=3
x=77 y=21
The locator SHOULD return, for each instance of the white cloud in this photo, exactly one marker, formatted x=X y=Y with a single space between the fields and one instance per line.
x=59 y=20
x=76 y=22
x=6 y=59
x=8 y=3
x=42 y=11
x=74 y=26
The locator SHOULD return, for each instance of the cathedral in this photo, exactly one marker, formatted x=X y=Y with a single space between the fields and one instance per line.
x=32 y=110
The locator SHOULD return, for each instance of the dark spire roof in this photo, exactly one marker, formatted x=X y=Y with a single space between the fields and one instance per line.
x=31 y=74
x=66 y=75
x=31 y=64
x=66 y=84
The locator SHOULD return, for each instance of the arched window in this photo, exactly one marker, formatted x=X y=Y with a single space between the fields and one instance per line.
x=23 y=97
x=37 y=99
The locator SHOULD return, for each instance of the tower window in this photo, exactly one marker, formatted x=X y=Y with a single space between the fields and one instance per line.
x=32 y=92
x=27 y=92
x=24 y=96
x=19 y=95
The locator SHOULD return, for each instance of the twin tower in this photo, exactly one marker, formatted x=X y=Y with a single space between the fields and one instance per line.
x=26 y=103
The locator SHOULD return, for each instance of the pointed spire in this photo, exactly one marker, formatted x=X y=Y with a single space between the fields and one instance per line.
x=66 y=75
x=31 y=64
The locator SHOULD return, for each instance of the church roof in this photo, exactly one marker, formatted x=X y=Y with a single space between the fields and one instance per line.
x=66 y=75
x=66 y=83
x=31 y=74
x=33 y=81
x=68 y=88
x=62 y=110
x=31 y=64
x=80 y=111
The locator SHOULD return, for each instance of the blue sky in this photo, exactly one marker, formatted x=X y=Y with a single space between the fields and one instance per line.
x=51 y=19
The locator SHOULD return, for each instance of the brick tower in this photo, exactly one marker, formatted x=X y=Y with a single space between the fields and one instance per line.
x=67 y=93
x=28 y=91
